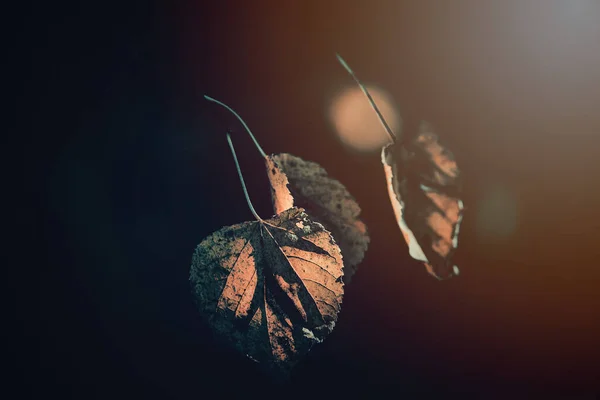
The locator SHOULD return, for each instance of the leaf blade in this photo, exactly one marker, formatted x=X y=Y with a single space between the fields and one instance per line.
x=246 y=307
x=424 y=186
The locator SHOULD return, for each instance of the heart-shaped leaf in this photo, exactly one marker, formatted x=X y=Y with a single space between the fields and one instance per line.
x=272 y=288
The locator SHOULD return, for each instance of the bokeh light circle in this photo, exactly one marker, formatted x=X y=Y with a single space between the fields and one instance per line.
x=357 y=124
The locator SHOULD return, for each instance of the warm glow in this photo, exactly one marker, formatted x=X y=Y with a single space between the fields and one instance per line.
x=357 y=123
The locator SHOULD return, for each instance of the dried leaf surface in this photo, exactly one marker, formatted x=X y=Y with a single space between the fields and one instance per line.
x=306 y=184
x=424 y=186
x=272 y=288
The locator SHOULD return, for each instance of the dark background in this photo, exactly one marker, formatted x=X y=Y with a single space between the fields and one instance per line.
x=128 y=170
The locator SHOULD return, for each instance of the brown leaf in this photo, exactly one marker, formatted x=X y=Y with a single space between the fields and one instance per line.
x=424 y=186
x=296 y=182
x=272 y=288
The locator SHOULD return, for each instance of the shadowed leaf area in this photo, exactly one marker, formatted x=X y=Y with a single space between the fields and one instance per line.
x=425 y=190
x=271 y=288
x=296 y=182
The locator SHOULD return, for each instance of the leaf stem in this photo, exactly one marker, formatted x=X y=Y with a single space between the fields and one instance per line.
x=366 y=92
x=260 y=150
x=237 y=165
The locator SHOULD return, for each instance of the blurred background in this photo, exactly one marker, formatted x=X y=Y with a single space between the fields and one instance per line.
x=130 y=170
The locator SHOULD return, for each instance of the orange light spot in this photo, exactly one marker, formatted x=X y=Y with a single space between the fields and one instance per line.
x=357 y=124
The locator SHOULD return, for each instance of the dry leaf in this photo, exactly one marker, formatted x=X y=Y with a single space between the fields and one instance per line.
x=271 y=288
x=296 y=182
x=307 y=185
x=424 y=186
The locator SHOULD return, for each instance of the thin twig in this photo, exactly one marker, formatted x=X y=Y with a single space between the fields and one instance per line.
x=237 y=165
x=262 y=153
x=366 y=92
